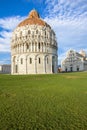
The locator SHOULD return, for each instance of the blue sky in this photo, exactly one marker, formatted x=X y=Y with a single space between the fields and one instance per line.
x=68 y=18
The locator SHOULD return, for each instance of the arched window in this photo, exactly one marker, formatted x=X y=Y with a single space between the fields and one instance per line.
x=45 y=33
x=14 y=58
x=32 y=36
x=27 y=46
x=36 y=31
x=77 y=68
x=21 y=60
x=21 y=33
x=39 y=46
x=47 y=60
x=30 y=61
x=29 y=32
x=15 y=36
x=39 y=60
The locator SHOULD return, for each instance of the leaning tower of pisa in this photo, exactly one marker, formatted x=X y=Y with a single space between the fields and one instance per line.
x=33 y=47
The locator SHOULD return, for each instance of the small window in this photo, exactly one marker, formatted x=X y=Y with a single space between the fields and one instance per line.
x=29 y=32
x=32 y=36
x=21 y=33
x=77 y=68
x=66 y=69
x=21 y=60
x=39 y=60
x=16 y=36
x=45 y=33
x=39 y=46
x=36 y=31
x=47 y=60
x=27 y=46
x=30 y=60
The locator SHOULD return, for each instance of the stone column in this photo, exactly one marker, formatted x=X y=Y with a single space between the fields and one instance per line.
x=31 y=46
x=44 y=65
x=42 y=47
x=17 y=48
x=20 y=47
x=35 y=65
x=51 y=64
x=25 y=47
x=34 y=46
x=56 y=64
x=18 y=65
x=37 y=46
x=26 y=65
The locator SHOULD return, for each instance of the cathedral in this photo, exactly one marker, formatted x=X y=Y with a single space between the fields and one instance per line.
x=74 y=61
x=33 y=47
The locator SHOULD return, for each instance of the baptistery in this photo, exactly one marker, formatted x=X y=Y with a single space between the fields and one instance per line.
x=33 y=47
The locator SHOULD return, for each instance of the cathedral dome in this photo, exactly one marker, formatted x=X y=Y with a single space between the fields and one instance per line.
x=33 y=19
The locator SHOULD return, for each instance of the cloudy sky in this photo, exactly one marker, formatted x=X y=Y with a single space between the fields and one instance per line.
x=68 y=18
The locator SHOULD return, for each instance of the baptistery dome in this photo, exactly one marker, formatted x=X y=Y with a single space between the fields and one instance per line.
x=33 y=18
x=33 y=47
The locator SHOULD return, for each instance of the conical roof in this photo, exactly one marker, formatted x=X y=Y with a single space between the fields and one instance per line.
x=33 y=19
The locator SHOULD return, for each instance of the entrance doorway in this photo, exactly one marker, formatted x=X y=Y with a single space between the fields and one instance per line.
x=16 y=69
x=53 y=64
x=77 y=68
x=71 y=69
x=66 y=70
x=53 y=68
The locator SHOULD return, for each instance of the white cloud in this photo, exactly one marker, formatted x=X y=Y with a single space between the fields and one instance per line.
x=69 y=8
x=7 y=25
x=10 y=23
x=4 y=48
x=69 y=20
x=5 y=41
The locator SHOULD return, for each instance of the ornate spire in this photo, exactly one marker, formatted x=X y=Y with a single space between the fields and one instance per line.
x=34 y=14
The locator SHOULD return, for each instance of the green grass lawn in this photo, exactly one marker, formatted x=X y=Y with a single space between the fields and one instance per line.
x=43 y=102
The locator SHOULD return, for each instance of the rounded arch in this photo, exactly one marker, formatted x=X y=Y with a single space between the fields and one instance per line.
x=46 y=62
x=37 y=31
x=14 y=64
x=54 y=63
x=29 y=32
x=31 y=65
x=40 y=63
